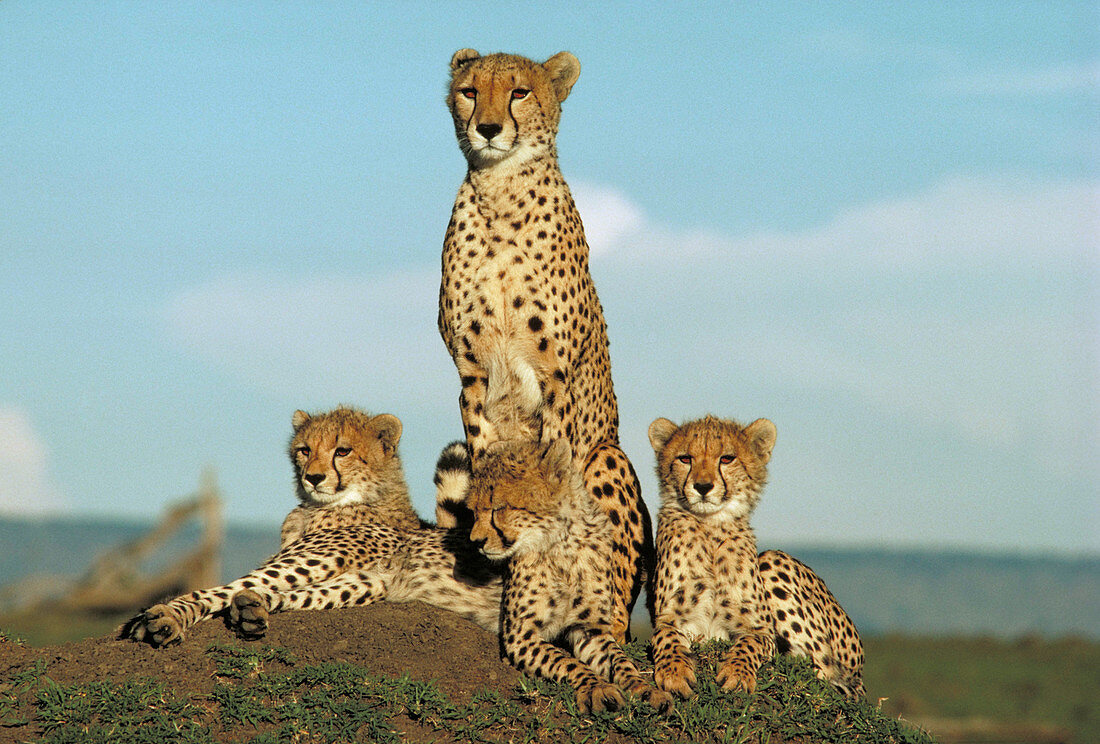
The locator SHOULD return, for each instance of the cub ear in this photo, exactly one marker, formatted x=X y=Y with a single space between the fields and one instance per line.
x=463 y=57
x=761 y=434
x=564 y=69
x=660 y=431
x=388 y=428
x=558 y=458
x=299 y=418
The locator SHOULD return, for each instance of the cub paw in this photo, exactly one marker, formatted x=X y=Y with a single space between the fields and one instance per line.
x=248 y=614
x=736 y=677
x=677 y=678
x=659 y=700
x=599 y=696
x=157 y=626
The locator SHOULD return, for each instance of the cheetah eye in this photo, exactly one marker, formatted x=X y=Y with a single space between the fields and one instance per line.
x=303 y=451
x=520 y=93
x=469 y=92
x=686 y=459
x=727 y=459
x=342 y=451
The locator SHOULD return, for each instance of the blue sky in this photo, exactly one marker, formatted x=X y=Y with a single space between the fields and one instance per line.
x=877 y=224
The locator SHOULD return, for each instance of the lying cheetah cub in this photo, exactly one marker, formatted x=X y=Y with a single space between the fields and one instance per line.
x=710 y=583
x=353 y=540
x=530 y=508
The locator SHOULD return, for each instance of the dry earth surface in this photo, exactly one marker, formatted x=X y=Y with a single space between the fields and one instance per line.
x=387 y=639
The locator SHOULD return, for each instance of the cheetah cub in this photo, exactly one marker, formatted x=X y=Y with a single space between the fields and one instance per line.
x=710 y=583
x=518 y=309
x=353 y=540
x=530 y=508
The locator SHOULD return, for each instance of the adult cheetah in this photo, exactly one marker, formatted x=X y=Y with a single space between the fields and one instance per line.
x=517 y=307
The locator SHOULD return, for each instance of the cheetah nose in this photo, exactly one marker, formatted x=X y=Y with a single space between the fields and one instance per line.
x=488 y=131
x=703 y=488
x=315 y=478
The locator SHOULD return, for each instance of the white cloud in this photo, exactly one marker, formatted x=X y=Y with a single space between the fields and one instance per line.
x=970 y=306
x=960 y=319
x=608 y=215
x=969 y=301
x=1061 y=79
x=26 y=487
x=354 y=339
x=961 y=222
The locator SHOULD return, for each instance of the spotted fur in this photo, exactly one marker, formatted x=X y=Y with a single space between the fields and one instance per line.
x=531 y=509
x=517 y=308
x=353 y=540
x=710 y=583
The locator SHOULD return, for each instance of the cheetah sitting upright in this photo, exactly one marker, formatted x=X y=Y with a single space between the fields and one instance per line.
x=710 y=583
x=530 y=508
x=353 y=540
x=517 y=307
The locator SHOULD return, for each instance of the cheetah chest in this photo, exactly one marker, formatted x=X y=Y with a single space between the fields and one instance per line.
x=562 y=593
x=711 y=594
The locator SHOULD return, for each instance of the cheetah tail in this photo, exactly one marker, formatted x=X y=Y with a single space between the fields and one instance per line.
x=452 y=478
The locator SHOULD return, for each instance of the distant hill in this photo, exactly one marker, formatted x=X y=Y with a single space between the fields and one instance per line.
x=910 y=592
x=957 y=593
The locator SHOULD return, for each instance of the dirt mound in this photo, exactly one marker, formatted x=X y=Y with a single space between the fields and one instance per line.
x=387 y=639
x=305 y=681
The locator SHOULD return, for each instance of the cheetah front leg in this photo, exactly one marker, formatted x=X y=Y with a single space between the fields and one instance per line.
x=673 y=669
x=530 y=653
x=741 y=663
x=249 y=609
x=480 y=432
x=165 y=624
x=598 y=650
x=556 y=411
x=610 y=478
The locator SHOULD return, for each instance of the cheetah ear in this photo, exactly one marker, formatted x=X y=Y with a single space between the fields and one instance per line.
x=463 y=57
x=761 y=434
x=557 y=461
x=388 y=428
x=660 y=431
x=299 y=418
x=564 y=69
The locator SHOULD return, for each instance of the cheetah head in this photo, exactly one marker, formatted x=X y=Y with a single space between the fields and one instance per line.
x=712 y=467
x=520 y=494
x=507 y=107
x=344 y=456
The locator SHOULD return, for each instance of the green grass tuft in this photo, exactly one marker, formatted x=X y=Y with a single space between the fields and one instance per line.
x=262 y=695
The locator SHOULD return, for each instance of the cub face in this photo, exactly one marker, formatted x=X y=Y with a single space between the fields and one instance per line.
x=507 y=107
x=341 y=456
x=517 y=493
x=712 y=467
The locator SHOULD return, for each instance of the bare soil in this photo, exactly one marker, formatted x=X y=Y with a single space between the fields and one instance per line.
x=388 y=639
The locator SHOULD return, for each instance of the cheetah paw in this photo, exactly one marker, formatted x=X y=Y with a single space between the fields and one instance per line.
x=731 y=677
x=659 y=700
x=157 y=626
x=679 y=679
x=248 y=614
x=599 y=696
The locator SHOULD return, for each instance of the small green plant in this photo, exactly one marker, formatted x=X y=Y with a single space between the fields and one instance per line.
x=243 y=661
x=262 y=695
x=133 y=712
x=6 y=637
